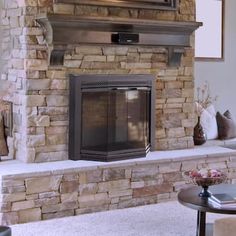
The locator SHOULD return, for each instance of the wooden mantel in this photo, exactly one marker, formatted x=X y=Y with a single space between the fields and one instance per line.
x=63 y=30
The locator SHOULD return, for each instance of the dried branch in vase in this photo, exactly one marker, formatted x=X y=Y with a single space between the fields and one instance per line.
x=204 y=98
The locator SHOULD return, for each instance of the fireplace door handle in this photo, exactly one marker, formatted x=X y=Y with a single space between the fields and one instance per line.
x=122 y=88
x=130 y=88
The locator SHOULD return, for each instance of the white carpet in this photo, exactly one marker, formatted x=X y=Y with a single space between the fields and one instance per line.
x=163 y=219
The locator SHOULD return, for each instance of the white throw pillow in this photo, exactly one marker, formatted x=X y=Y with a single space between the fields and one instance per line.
x=208 y=122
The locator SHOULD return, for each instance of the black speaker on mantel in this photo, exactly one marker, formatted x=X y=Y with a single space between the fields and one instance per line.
x=125 y=38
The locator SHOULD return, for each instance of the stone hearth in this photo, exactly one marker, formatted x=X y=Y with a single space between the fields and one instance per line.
x=40 y=191
x=40 y=90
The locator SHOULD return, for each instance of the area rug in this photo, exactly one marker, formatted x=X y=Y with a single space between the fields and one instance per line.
x=163 y=219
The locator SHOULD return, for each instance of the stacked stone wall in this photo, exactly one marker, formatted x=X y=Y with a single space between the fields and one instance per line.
x=40 y=99
x=52 y=194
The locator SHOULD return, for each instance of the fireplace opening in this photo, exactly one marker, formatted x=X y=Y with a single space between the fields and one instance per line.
x=111 y=117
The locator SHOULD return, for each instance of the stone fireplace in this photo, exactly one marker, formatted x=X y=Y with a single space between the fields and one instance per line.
x=137 y=41
x=54 y=39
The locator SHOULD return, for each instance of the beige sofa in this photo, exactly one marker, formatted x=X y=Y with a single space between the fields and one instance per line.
x=225 y=227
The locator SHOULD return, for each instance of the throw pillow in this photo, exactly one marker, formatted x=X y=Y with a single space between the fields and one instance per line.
x=226 y=125
x=3 y=143
x=208 y=122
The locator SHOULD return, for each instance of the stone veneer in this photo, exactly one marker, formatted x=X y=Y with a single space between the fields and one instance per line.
x=40 y=95
x=32 y=192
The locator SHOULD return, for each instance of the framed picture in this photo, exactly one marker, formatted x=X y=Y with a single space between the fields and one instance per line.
x=147 y=4
x=209 y=40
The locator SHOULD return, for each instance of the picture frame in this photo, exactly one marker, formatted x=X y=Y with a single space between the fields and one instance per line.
x=144 y=4
x=209 y=39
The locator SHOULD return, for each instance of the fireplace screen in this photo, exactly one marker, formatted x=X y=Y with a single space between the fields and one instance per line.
x=114 y=120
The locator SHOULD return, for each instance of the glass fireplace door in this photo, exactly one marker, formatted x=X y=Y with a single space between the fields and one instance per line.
x=115 y=122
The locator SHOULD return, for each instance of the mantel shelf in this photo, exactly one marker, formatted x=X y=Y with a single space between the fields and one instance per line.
x=63 y=30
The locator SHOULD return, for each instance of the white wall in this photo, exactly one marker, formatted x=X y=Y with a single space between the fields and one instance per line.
x=222 y=75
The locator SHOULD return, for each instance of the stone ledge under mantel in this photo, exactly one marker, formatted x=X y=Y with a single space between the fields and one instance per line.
x=34 y=192
x=15 y=168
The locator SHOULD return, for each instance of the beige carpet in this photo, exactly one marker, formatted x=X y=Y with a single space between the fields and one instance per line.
x=163 y=219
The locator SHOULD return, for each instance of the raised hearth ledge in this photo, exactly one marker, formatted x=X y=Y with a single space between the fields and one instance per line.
x=33 y=192
x=14 y=168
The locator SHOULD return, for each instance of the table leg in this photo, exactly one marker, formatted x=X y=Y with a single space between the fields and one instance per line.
x=201 y=223
x=197 y=229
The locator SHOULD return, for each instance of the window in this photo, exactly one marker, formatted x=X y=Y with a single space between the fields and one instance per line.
x=209 y=37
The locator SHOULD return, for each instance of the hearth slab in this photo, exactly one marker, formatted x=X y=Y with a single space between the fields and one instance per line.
x=14 y=168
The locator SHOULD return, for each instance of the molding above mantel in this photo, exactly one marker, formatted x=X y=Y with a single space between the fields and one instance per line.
x=143 y=4
x=63 y=30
